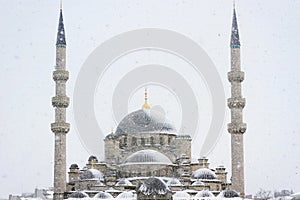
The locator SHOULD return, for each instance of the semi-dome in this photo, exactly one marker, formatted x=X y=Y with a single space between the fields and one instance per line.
x=154 y=186
x=228 y=194
x=91 y=174
x=144 y=121
x=103 y=195
x=78 y=195
x=204 y=193
x=204 y=173
x=147 y=157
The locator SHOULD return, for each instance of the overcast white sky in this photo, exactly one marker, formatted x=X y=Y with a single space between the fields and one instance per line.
x=270 y=58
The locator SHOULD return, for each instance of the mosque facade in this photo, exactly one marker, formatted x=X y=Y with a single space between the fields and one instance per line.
x=146 y=157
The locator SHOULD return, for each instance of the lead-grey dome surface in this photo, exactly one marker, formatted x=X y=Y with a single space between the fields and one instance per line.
x=147 y=156
x=144 y=121
x=153 y=185
x=204 y=174
x=228 y=194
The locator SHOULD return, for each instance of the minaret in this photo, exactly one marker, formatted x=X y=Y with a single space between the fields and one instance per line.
x=60 y=102
x=236 y=104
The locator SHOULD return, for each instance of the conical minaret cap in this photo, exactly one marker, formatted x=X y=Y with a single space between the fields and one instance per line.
x=61 y=37
x=235 y=38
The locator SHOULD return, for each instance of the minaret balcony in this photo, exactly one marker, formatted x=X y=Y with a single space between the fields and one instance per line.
x=236 y=76
x=60 y=75
x=60 y=127
x=236 y=102
x=60 y=101
x=237 y=128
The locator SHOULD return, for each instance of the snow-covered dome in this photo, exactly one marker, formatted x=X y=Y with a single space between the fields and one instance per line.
x=228 y=194
x=181 y=195
x=91 y=174
x=126 y=195
x=198 y=183
x=144 y=121
x=204 y=173
x=147 y=157
x=78 y=195
x=204 y=193
x=174 y=182
x=123 y=182
x=103 y=195
x=154 y=185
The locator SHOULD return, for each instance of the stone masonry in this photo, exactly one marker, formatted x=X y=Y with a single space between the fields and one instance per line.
x=60 y=102
x=236 y=104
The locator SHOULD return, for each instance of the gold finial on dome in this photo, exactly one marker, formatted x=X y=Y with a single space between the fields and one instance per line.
x=146 y=106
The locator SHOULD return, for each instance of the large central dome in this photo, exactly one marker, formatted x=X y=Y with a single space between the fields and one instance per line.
x=144 y=121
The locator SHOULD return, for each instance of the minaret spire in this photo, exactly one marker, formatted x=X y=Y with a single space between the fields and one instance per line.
x=60 y=102
x=235 y=38
x=236 y=104
x=61 y=37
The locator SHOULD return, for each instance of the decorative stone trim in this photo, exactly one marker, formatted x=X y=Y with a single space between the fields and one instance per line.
x=236 y=76
x=236 y=102
x=60 y=75
x=60 y=127
x=60 y=101
x=237 y=128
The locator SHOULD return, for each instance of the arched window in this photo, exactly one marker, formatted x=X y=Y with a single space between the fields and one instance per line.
x=161 y=141
x=152 y=141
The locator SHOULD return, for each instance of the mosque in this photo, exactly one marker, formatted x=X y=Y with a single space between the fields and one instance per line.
x=146 y=157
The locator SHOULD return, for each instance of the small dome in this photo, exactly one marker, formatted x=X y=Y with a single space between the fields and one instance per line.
x=78 y=195
x=93 y=158
x=126 y=195
x=228 y=194
x=174 y=182
x=204 y=174
x=153 y=185
x=124 y=182
x=144 y=121
x=198 y=183
x=91 y=174
x=103 y=195
x=74 y=166
x=147 y=157
x=204 y=193
x=181 y=195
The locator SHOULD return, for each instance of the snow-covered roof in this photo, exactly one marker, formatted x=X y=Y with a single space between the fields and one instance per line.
x=147 y=157
x=174 y=182
x=204 y=173
x=126 y=195
x=91 y=174
x=78 y=195
x=123 y=182
x=204 y=193
x=144 y=121
x=154 y=185
x=228 y=194
x=181 y=195
x=103 y=195
x=198 y=183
